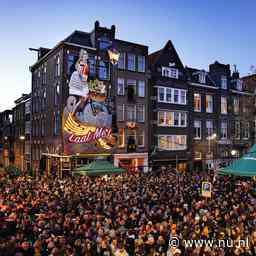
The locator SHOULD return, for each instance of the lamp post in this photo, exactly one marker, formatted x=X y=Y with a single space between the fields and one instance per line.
x=212 y=137
x=22 y=139
x=233 y=153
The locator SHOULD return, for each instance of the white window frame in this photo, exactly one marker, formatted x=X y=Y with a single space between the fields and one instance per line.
x=172 y=95
x=172 y=114
x=170 y=72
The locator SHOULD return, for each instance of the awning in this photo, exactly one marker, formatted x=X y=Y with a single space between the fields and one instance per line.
x=98 y=168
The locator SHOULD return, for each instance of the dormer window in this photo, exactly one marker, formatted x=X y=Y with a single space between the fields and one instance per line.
x=202 y=77
x=223 y=82
x=170 y=72
x=239 y=85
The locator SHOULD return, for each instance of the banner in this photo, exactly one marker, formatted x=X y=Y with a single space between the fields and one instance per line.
x=206 y=189
x=87 y=121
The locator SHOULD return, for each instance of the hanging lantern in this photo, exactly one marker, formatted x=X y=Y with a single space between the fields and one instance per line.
x=113 y=56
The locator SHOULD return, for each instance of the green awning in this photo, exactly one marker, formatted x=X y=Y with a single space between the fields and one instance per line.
x=98 y=168
x=245 y=166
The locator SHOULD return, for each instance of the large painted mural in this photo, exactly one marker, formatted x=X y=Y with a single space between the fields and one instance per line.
x=87 y=120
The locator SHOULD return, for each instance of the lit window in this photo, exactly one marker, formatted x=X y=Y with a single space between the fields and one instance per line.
x=121 y=137
x=224 y=105
x=172 y=118
x=209 y=103
x=197 y=102
x=172 y=142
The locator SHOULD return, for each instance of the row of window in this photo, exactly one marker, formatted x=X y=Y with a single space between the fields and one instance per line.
x=126 y=135
x=172 y=95
x=209 y=104
x=223 y=129
x=39 y=100
x=137 y=86
x=131 y=62
x=39 y=126
x=131 y=113
x=172 y=142
x=172 y=119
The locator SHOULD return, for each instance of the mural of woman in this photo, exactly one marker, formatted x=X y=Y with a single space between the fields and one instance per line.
x=78 y=86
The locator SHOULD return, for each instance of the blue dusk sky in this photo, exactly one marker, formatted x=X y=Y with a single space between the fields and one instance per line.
x=202 y=32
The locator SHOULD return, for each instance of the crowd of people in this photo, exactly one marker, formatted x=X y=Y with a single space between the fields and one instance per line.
x=130 y=214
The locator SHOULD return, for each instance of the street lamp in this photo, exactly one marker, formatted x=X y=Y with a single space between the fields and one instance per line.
x=22 y=137
x=113 y=56
x=212 y=137
x=233 y=152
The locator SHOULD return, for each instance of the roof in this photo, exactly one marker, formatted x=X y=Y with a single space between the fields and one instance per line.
x=193 y=75
x=79 y=37
x=167 y=49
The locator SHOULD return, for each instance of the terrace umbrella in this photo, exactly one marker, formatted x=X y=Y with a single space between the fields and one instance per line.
x=245 y=166
x=98 y=168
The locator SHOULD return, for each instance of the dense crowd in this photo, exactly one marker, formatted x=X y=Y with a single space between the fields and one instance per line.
x=135 y=214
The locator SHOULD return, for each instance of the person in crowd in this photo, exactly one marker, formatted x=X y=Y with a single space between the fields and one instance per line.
x=132 y=214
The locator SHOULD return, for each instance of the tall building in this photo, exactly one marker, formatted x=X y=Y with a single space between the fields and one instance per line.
x=126 y=85
x=6 y=138
x=169 y=112
x=21 y=124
